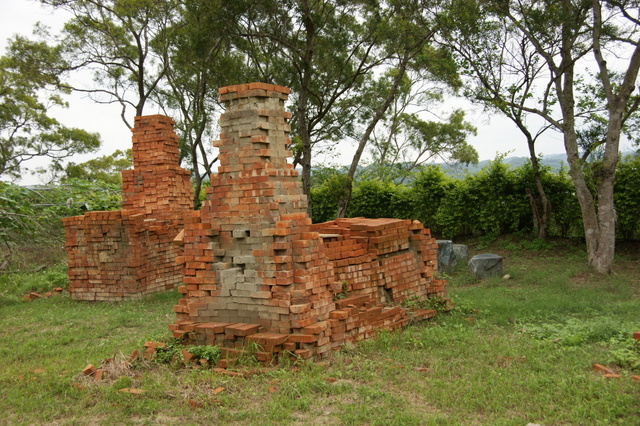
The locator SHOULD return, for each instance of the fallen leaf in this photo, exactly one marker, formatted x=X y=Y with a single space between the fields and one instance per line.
x=218 y=390
x=194 y=403
x=272 y=389
x=38 y=371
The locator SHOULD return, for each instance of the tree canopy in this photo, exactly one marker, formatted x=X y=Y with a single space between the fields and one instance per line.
x=364 y=74
x=29 y=87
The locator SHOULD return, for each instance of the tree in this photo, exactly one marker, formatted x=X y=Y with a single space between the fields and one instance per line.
x=502 y=79
x=563 y=33
x=322 y=49
x=406 y=141
x=123 y=43
x=405 y=34
x=201 y=59
x=29 y=86
x=102 y=169
x=592 y=102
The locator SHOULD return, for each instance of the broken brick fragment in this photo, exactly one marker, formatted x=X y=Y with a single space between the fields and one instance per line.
x=599 y=368
x=89 y=370
x=611 y=376
x=194 y=404
x=99 y=373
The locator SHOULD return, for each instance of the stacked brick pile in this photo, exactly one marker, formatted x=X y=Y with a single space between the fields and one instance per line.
x=257 y=271
x=118 y=255
x=388 y=259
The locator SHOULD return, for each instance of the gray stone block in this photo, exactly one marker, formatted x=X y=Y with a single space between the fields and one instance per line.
x=461 y=252
x=446 y=258
x=485 y=265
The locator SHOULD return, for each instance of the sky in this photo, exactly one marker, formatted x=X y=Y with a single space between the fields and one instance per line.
x=496 y=134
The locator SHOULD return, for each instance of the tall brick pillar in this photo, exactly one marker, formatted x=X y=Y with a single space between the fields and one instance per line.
x=250 y=255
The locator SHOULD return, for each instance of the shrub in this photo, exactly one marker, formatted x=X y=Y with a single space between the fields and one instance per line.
x=490 y=202
x=376 y=199
x=34 y=214
x=627 y=198
x=429 y=187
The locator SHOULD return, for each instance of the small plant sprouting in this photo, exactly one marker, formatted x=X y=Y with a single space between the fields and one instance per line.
x=414 y=302
x=172 y=353
x=209 y=353
x=344 y=292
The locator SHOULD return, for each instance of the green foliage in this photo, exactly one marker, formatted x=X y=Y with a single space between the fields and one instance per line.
x=487 y=203
x=566 y=219
x=344 y=291
x=578 y=331
x=210 y=353
x=29 y=86
x=429 y=187
x=627 y=198
x=34 y=214
x=625 y=352
x=171 y=353
x=378 y=199
x=326 y=194
x=414 y=302
x=102 y=169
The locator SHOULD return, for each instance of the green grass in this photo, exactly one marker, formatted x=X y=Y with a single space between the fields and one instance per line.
x=511 y=352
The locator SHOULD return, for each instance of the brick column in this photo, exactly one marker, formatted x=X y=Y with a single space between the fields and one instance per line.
x=128 y=253
x=250 y=255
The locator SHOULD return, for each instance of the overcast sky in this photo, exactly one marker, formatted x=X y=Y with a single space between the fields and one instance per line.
x=495 y=134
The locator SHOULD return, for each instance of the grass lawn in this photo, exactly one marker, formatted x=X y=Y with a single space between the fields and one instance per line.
x=511 y=352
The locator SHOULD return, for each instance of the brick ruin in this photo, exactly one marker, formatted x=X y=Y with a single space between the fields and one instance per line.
x=256 y=270
x=250 y=265
x=124 y=254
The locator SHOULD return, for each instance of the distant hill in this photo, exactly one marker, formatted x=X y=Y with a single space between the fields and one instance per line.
x=554 y=161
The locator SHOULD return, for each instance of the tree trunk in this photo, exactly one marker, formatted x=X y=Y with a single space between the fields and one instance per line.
x=541 y=200
x=343 y=202
x=598 y=221
x=305 y=82
x=540 y=204
x=602 y=255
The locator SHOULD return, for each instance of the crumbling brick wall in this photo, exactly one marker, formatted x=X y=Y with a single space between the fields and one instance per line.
x=118 y=255
x=257 y=270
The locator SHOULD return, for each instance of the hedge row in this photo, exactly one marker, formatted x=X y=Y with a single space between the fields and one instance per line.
x=491 y=202
x=32 y=215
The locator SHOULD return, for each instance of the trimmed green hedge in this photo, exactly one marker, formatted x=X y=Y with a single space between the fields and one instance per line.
x=492 y=201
